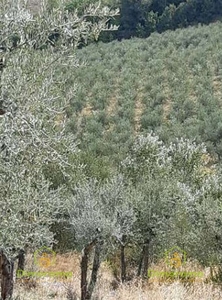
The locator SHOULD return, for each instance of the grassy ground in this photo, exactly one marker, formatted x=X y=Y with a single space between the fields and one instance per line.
x=173 y=291
x=108 y=288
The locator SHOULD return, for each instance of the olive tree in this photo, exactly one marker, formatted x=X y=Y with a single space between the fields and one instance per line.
x=200 y=230
x=170 y=179
x=35 y=149
x=100 y=213
x=147 y=167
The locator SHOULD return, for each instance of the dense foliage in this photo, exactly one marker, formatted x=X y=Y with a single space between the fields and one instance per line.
x=106 y=142
x=169 y=83
x=37 y=155
x=142 y=17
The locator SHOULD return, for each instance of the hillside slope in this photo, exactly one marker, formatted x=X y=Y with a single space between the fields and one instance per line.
x=170 y=83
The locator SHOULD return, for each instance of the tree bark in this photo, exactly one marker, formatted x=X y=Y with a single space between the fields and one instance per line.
x=84 y=268
x=95 y=269
x=145 y=260
x=7 y=284
x=140 y=265
x=2 y=66
x=123 y=260
x=21 y=262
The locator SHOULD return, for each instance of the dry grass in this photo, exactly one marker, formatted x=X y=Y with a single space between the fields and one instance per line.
x=34 y=5
x=86 y=112
x=192 y=95
x=139 y=108
x=217 y=87
x=111 y=111
x=112 y=106
x=166 y=110
x=113 y=102
x=168 y=102
x=108 y=289
x=172 y=291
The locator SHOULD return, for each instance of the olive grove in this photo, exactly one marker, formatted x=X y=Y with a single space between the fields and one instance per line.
x=159 y=196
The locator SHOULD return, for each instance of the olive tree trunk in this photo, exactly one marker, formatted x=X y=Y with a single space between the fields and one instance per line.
x=7 y=283
x=87 y=289
x=144 y=261
x=123 y=259
x=21 y=262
